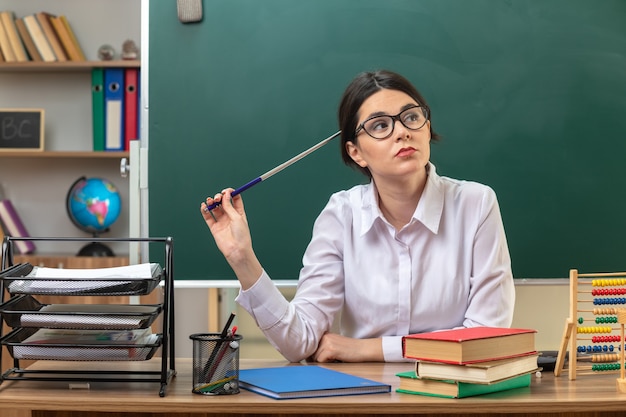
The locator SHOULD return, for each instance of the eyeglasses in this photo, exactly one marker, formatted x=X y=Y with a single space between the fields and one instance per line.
x=381 y=127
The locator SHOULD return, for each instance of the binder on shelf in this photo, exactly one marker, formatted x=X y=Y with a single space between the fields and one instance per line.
x=138 y=103
x=14 y=226
x=44 y=48
x=114 y=109
x=46 y=26
x=29 y=43
x=131 y=80
x=97 y=108
x=8 y=21
x=5 y=45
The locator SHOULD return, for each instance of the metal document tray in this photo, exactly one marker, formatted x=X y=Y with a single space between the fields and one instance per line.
x=30 y=284
x=26 y=311
x=73 y=351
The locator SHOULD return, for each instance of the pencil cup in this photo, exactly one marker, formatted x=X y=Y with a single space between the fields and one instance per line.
x=215 y=363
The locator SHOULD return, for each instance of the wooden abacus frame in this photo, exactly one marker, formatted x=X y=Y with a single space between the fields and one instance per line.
x=571 y=333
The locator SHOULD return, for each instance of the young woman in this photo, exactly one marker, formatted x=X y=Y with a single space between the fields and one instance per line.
x=409 y=252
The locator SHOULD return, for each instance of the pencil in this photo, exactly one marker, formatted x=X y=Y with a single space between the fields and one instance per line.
x=208 y=368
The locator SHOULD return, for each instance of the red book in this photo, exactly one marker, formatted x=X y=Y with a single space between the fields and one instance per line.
x=131 y=81
x=14 y=227
x=469 y=345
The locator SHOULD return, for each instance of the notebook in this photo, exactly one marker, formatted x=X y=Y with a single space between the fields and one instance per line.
x=305 y=381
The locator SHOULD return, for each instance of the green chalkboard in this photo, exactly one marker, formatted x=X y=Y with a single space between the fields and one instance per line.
x=528 y=95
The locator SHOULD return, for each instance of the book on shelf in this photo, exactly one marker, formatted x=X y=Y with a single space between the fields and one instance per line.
x=8 y=21
x=471 y=344
x=39 y=38
x=44 y=19
x=2 y=234
x=479 y=372
x=29 y=43
x=73 y=37
x=5 y=45
x=72 y=49
x=14 y=227
x=412 y=384
x=306 y=381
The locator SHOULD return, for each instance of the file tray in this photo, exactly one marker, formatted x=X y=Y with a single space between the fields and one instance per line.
x=77 y=285
x=75 y=330
x=26 y=311
x=96 y=350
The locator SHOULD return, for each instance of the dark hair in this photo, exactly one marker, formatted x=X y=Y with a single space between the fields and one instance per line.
x=360 y=89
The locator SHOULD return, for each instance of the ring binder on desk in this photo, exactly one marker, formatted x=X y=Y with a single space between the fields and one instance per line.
x=87 y=332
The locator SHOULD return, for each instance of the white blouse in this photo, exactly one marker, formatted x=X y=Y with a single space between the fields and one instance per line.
x=449 y=267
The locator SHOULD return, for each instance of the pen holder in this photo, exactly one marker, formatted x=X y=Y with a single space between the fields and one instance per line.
x=215 y=364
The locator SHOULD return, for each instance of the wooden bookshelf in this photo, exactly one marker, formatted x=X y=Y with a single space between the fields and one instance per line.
x=67 y=66
x=65 y=154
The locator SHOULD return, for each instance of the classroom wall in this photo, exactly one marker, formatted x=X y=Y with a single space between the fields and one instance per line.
x=539 y=306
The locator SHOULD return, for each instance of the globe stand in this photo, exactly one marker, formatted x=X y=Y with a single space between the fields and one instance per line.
x=96 y=249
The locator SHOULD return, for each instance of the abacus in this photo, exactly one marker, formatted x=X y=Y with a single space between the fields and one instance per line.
x=593 y=327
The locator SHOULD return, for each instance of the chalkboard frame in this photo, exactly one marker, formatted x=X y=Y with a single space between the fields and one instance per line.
x=35 y=144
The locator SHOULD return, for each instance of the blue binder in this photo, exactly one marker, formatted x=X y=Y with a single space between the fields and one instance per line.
x=114 y=109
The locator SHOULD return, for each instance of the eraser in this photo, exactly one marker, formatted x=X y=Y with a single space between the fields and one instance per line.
x=189 y=11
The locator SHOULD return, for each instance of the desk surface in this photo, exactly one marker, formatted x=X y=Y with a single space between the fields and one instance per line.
x=588 y=394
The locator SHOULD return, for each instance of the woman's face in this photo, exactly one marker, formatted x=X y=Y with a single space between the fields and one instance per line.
x=403 y=153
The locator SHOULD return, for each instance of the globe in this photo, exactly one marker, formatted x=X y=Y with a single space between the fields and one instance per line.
x=93 y=205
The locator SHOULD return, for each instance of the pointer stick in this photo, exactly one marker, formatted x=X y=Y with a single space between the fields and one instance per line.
x=277 y=169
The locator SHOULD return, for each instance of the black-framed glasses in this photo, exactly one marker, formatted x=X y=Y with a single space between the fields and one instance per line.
x=381 y=127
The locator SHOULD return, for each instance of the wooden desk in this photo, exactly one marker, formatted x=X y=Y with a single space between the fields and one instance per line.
x=591 y=395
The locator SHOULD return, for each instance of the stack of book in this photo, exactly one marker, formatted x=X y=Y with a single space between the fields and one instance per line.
x=41 y=36
x=468 y=361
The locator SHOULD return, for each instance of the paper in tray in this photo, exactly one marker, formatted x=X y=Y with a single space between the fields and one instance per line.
x=26 y=311
x=126 y=280
x=21 y=345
